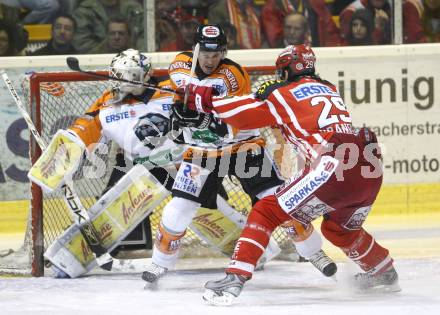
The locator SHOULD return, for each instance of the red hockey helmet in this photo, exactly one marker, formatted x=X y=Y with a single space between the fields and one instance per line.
x=295 y=60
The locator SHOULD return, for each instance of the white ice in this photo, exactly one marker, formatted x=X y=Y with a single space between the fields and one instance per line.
x=282 y=288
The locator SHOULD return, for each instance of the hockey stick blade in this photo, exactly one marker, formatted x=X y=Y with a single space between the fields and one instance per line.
x=73 y=64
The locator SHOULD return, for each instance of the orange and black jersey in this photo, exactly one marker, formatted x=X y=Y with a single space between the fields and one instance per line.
x=228 y=79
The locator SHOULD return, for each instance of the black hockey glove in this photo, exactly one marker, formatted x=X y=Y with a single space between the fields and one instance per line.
x=184 y=117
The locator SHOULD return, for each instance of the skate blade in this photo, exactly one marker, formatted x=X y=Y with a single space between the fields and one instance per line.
x=218 y=299
x=389 y=288
x=105 y=261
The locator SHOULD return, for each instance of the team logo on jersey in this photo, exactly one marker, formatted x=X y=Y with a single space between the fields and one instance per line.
x=308 y=90
x=190 y=179
x=211 y=31
x=207 y=136
x=357 y=218
x=151 y=126
x=120 y=116
x=311 y=210
x=292 y=196
x=308 y=56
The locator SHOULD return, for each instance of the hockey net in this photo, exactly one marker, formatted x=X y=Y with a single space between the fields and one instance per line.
x=54 y=101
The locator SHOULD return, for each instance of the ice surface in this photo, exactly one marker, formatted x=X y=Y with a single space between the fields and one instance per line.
x=282 y=288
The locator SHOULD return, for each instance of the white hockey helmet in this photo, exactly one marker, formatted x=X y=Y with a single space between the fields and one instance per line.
x=129 y=65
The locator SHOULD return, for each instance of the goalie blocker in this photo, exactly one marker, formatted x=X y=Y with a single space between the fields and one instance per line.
x=58 y=162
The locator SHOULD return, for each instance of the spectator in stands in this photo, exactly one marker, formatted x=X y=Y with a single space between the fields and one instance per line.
x=92 y=17
x=431 y=20
x=167 y=31
x=382 y=13
x=243 y=16
x=13 y=39
x=63 y=29
x=40 y=11
x=175 y=25
x=361 y=28
x=187 y=27
x=295 y=31
x=231 y=35
x=323 y=29
x=118 y=37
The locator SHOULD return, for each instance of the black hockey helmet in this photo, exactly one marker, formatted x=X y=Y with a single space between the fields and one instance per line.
x=211 y=37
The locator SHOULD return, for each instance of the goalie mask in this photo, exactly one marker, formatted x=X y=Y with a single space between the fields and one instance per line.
x=129 y=65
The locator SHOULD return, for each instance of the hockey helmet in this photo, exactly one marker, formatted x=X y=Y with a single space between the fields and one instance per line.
x=133 y=66
x=211 y=37
x=295 y=60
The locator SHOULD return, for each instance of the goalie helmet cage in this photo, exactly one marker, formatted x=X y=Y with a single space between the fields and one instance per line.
x=55 y=100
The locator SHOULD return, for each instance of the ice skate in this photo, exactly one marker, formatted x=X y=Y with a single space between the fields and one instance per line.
x=223 y=292
x=323 y=263
x=387 y=281
x=153 y=273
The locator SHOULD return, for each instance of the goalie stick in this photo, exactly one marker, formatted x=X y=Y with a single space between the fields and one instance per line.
x=73 y=64
x=80 y=215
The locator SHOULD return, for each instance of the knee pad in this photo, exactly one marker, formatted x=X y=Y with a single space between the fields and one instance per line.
x=178 y=214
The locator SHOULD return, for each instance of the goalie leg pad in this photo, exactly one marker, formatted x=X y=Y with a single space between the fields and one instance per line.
x=114 y=215
x=58 y=162
x=221 y=229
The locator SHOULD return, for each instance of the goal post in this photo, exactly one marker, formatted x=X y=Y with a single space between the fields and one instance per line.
x=54 y=100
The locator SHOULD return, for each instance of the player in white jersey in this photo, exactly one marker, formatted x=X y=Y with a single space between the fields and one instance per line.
x=216 y=150
x=133 y=116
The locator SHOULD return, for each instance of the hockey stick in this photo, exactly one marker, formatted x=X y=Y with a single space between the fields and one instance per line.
x=73 y=64
x=191 y=73
x=81 y=217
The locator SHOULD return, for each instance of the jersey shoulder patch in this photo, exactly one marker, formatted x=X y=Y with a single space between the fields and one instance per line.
x=182 y=61
x=268 y=87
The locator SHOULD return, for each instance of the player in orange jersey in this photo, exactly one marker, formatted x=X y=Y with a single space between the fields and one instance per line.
x=216 y=150
x=338 y=184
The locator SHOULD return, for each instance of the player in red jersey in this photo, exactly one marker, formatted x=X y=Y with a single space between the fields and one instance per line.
x=340 y=181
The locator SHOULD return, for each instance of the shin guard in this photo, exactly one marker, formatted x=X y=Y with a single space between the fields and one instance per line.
x=251 y=244
x=359 y=246
x=166 y=247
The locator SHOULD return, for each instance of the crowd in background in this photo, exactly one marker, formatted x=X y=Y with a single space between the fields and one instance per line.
x=111 y=26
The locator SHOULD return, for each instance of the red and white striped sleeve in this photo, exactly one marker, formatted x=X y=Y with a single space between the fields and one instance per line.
x=246 y=112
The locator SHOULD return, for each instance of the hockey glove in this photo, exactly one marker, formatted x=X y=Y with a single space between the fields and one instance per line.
x=185 y=117
x=200 y=98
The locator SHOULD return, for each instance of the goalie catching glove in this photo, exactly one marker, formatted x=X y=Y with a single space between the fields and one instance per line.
x=184 y=117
